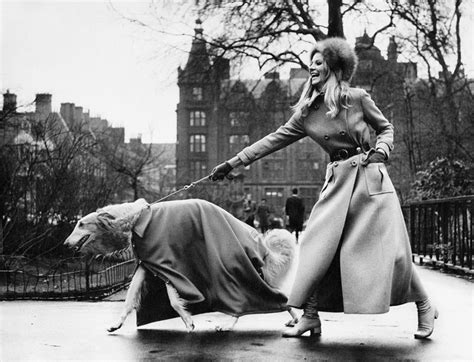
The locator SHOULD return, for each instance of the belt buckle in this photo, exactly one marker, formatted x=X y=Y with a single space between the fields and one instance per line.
x=343 y=154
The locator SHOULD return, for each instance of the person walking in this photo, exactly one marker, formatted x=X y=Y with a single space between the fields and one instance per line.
x=355 y=255
x=263 y=214
x=294 y=208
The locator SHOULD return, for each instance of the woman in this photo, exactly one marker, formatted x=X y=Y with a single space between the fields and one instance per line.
x=355 y=252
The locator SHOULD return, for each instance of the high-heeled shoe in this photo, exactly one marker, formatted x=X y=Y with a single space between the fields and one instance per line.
x=426 y=317
x=313 y=325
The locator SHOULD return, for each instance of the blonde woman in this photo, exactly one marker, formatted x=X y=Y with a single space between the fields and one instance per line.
x=355 y=254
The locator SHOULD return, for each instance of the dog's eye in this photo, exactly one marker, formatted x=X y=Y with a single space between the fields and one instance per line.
x=80 y=224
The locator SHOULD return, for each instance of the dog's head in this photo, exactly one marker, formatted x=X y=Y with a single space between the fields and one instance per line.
x=107 y=230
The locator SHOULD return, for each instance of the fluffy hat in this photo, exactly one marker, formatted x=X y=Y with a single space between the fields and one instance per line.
x=338 y=54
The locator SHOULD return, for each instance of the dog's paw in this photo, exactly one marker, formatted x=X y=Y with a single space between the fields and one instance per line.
x=223 y=328
x=114 y=327
x=189 y=323
x=291 y=322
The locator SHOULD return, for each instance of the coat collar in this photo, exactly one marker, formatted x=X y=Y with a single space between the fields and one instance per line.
x=142 y=222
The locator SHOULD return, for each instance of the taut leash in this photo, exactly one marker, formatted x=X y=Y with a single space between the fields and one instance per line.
x=184 y=188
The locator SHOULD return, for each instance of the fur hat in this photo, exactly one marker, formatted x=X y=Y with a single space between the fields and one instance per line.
x=338 y=54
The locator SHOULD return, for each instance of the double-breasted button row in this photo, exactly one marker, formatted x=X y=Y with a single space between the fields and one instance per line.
x=342 y=133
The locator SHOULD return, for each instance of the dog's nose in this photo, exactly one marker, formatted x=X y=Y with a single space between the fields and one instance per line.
x=67 y=243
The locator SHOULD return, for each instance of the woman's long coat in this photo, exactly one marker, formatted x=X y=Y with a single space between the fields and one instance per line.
x=355 y=253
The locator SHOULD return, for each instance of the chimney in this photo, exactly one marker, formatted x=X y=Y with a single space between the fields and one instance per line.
x=222 y=68
x=67 y=112
x=9 y=102
x=43 y=104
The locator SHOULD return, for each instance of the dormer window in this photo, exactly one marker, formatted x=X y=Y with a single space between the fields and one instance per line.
x=197 y=93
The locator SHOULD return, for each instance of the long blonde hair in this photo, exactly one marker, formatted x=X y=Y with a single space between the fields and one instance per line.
x=336 y=95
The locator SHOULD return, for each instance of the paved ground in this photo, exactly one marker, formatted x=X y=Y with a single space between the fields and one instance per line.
x=76 y=331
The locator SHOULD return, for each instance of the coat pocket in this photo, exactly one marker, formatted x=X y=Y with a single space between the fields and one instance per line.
x=377 y=179
x=327 y=179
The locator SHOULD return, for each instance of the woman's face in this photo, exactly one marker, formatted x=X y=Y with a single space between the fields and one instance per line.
x=318 y=70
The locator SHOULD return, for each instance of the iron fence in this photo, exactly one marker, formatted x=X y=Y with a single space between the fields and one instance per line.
x=441 y=231
x=72 y=278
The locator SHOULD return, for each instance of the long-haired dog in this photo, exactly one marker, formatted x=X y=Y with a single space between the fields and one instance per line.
x=109 y=230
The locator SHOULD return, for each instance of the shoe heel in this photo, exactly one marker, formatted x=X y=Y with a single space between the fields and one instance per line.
x=315 y=332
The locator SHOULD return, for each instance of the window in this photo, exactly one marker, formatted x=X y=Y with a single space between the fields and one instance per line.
x=197 y=170
x=238 y=142
x=238 y=119
x=197 y=118
x=275 y=198
x=197 y=143
x=273 y=169
x=197 y=93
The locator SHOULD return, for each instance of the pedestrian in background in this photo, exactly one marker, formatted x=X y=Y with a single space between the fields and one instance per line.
x=263 y=214
x=355 y=256
x=249 y=212
x=294 y=208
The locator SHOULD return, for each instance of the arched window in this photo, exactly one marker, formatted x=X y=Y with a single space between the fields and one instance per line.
x=197 y=118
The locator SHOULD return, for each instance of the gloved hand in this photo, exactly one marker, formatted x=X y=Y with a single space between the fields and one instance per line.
x=221 y=171
x=374 y=156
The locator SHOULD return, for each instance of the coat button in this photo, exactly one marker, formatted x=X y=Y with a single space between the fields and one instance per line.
x=342 y=133
x=326 y=137
x=353 y=163
x=336 y=164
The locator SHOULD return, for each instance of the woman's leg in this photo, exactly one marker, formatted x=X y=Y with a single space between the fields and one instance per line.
x=427 y=313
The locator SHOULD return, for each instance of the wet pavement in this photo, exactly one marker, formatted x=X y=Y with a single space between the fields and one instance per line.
x=39 y=330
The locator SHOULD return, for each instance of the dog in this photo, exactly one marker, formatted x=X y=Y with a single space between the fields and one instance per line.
x=115 y=227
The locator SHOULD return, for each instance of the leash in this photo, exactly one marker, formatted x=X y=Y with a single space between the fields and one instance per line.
x=184 y=188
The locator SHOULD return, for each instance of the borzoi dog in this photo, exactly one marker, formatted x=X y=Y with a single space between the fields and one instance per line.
x=115 y=227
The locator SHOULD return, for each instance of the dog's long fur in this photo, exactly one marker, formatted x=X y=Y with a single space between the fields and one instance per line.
x=109 y=230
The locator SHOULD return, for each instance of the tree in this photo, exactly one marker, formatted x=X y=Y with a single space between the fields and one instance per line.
x=431 y=31
x=48 y=180
x=271 y=33
x=443 y=178
x=131 y=162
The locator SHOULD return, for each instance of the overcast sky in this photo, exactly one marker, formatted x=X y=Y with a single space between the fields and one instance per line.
x=85 y=53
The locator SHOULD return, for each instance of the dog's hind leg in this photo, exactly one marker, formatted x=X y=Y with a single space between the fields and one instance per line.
x=228 y=325
x=294 y=318
x=132 y=300
x=179 y=305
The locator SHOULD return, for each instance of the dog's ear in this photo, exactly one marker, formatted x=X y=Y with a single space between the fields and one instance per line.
x=105 y=220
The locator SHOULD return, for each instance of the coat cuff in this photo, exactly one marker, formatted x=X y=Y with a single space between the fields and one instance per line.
x=385 y=148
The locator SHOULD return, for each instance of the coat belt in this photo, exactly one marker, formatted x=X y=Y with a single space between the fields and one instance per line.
x=343 y=154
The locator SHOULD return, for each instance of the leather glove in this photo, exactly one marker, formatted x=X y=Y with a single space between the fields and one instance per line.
x=221 y=171
x=374 y=156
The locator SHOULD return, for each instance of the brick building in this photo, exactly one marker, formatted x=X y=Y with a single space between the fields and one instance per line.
x=218 y=116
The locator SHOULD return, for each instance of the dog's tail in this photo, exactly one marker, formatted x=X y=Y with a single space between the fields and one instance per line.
x=281 y=253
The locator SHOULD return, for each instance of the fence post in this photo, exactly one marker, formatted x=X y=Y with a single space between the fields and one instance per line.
x=88 y=273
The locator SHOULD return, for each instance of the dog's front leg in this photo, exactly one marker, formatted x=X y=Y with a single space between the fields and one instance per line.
x=133 y=298
x=179 y=305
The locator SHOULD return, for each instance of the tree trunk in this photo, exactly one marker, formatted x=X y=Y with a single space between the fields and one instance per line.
x=335 y=26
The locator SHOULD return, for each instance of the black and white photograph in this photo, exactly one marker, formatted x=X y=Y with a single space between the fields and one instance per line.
x=216 y=180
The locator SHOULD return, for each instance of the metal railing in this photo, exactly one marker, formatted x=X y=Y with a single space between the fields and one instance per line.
x=72 y=278
x=441 y=231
